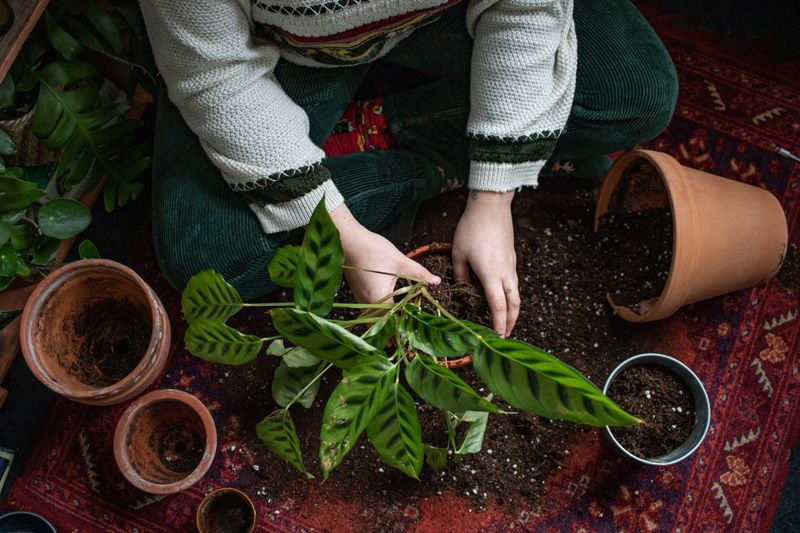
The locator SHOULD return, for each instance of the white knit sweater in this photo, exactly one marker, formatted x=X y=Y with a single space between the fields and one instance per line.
x=222 y=80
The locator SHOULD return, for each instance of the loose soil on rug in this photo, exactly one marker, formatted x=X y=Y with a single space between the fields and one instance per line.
x=662 y=401
x=563 y=311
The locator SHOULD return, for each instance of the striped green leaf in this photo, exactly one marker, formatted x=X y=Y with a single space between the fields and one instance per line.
x=442 y=388
x=351 y=407
x=283 y=265
x=382 y=331
x=439 y=336
x=528 y=378
x=319 y=266
x=217 y=342
x=279 y=435
x=435 y=335
x=396 y=434
x=321 y=337
x=287 y=382
x=293 y=356
x=209 y=296
x=473 y=438
x=435 y=457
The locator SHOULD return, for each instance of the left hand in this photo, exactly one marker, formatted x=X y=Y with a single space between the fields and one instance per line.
x=484 y=239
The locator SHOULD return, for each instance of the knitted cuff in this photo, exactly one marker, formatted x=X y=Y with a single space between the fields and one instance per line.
x=505 y=164
x=503 y=177
x=286 y=201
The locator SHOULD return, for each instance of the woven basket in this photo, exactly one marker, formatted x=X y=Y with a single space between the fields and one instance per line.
x=31 y=151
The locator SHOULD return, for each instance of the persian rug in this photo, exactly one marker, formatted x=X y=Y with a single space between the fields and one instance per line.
x=744 y=347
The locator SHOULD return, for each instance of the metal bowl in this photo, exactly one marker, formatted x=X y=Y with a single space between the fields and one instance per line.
x=25 y=521
x=701 y=405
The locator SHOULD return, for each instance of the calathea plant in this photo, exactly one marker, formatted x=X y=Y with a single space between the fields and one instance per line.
x=373 y=395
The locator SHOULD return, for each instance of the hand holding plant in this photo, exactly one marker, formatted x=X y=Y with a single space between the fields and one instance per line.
x=373 y=395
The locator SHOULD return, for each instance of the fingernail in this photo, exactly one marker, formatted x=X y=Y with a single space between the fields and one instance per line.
x=436 y=280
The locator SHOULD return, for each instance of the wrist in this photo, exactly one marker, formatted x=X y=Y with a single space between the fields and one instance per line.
x=490 y=201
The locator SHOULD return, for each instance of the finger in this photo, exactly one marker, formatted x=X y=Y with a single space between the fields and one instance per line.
x=496 y=299
x=415 y=270
x=460 y=268
x=513 y=303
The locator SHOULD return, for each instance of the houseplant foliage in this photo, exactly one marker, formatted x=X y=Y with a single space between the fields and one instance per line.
x=374 y=394
x=54 y=80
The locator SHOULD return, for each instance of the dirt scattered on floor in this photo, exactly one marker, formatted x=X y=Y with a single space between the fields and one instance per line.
x=563 y=311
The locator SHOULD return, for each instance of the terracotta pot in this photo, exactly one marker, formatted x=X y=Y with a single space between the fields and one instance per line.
x=95 y=332
x=702 y=408
x=439 y=248
x=226 y=511
x=727 y=235
x=165 y=441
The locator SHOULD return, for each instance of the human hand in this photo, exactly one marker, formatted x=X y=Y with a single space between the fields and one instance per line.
x=484 y=239
x=368 y=250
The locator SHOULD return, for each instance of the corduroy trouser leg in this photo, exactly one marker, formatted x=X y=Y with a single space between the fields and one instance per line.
x=626 y=90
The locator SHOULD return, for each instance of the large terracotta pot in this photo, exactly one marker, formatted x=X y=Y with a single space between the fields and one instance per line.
x=727 y=235
x=165 y=441
x=95 y=332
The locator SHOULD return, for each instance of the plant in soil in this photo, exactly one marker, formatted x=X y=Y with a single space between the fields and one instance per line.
x=378 y=385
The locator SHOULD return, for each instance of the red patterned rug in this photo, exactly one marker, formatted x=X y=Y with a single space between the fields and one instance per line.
x=743 y=346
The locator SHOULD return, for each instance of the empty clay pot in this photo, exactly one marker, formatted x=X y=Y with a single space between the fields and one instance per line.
x=226 y=511
x=439 y=248
x=95 y=332
x=165 y=441
x=727 y=235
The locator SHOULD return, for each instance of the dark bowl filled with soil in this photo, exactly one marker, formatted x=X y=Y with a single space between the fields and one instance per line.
x=95 y=332
x=670 y=400
x=226 y=511
x=165 y=441
x=464 y=301
x=671 y=235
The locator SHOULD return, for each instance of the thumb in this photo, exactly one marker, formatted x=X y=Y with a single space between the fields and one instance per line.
x=409 y=267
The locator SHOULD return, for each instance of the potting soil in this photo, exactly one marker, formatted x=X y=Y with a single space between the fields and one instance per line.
x=662 y=401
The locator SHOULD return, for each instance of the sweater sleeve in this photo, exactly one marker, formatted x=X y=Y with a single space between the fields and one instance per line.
x=225 y=88
x=524 y=63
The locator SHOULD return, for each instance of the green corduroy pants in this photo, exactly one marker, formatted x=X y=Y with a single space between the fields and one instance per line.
x=625 y=93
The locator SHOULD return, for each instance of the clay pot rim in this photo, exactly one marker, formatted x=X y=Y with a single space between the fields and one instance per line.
x=47 y=288
x=223 y=490
x=439 y=248
x=123 y=426
x=681 y=204
x=698 y=391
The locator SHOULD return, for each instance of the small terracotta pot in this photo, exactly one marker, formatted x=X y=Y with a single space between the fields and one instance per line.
x=439 y=248
x=226 y=511
x=165 y=441
x=727 y=235
x=74 y=345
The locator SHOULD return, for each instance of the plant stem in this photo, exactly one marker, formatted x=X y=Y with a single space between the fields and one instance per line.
x=327 y=366
x=362 y=306
x=270 y=339
x=359 y=269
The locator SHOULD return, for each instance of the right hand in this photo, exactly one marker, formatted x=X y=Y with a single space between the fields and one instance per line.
x=365 y=249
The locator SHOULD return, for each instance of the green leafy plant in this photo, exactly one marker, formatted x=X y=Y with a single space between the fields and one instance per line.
x=55 y=79
x=373 y=394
